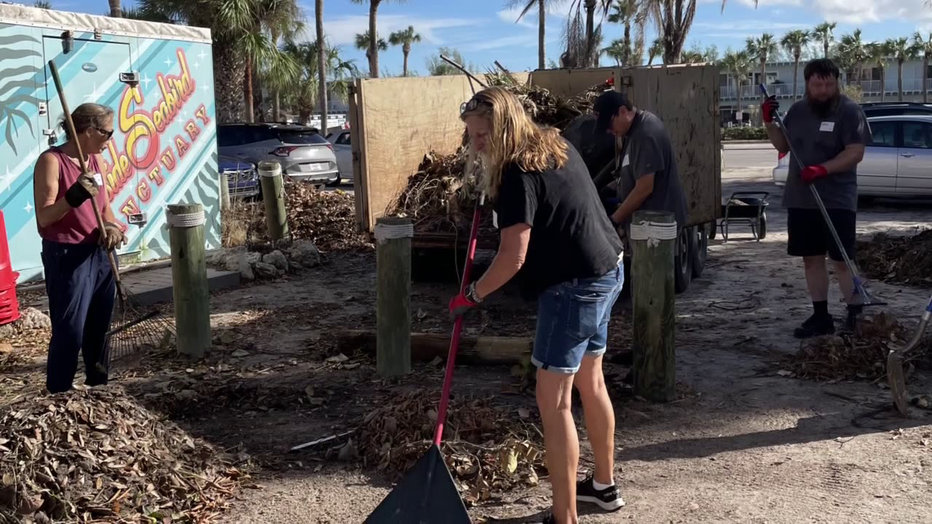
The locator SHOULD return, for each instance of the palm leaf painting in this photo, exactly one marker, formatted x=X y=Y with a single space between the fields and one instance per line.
x=9 y=105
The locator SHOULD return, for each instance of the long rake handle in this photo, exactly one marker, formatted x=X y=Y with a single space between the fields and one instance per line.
x=818 y=198
x=458 y=324
x=71 y=130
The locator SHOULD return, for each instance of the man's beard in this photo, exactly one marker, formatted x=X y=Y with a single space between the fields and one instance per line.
x=823 y=108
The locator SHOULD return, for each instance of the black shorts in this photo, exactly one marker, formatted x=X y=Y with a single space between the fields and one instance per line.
x=810 y=236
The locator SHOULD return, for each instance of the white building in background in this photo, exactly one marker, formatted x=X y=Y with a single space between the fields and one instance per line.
x=779 y=79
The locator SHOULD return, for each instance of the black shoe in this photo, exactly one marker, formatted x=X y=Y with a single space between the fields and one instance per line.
x=608 y=499
x=549 y=519
x=816 y=326
x=851 y=321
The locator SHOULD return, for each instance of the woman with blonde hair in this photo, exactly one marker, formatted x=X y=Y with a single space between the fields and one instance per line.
x=78 y=279
x=553 y=228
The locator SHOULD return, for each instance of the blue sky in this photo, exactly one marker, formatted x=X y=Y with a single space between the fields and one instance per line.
x=484 y=30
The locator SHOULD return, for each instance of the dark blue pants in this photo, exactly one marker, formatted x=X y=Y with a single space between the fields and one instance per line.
x=81 y=291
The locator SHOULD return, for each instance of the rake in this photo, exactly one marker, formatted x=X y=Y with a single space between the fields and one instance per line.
x=134 y=327
x=895 y=375
x=860 y=295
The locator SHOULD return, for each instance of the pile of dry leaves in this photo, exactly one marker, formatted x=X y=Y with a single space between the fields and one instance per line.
x=487 y=450
x=441 y=195
x=97 y=455
x=326 y=218
x=850 y=356
x=900 y=259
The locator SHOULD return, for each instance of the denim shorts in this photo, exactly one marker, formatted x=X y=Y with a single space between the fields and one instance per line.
x=572 y=321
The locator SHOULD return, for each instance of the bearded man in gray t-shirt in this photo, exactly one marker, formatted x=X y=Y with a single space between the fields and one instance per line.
x=829 y=132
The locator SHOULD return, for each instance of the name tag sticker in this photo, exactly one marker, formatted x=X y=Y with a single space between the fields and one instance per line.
x=625 y=161
x=98 y=179
x=827 y=127
x=494 y=219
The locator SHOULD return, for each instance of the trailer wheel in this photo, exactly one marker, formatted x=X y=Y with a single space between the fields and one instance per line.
x=682 y=262
x=762 y=232
x=700 y=248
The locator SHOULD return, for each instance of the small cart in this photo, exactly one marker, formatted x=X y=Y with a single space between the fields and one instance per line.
x=748 y=208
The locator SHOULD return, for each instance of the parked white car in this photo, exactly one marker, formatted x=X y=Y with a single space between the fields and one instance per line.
x=898 y=161
x=344 y=153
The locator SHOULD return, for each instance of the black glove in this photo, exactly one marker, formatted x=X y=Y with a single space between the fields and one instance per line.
x=769 y=109
x=83 y=189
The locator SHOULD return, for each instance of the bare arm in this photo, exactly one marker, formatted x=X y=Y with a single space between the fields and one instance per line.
x=508 y=261
x=847 y=160
x=105 y=212
x=642 y=190
x=49 y=208
x=777 y=138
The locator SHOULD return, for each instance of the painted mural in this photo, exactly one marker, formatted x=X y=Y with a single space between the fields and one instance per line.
x=163 y=150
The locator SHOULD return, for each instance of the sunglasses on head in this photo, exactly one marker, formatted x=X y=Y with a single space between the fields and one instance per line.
x=472 y=105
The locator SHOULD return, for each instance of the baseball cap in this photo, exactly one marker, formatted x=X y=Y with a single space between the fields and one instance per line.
x=607 y=106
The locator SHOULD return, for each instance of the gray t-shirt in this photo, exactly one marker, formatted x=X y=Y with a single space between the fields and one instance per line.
x=648 y=150
x=818 y=139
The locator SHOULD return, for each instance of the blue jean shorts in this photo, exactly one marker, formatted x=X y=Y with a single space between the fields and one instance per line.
x=572 y=321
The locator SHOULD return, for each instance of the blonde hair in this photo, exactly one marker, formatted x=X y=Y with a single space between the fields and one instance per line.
x=513 y=137
x=88 y=116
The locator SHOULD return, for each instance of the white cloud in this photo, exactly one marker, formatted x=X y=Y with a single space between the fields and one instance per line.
x=511 y=15
x=739 y=25
x=343 y=30
x=526 y=40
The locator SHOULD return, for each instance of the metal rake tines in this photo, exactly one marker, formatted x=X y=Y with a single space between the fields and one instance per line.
x=139 y=330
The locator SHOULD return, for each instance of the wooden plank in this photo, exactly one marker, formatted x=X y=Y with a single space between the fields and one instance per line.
x=425 y=347
x=393 y=297
x=570 y=82
x=357 y=148
x=686 y=99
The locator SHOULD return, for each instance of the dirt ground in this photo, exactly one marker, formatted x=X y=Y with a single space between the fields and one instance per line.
x=741 y=443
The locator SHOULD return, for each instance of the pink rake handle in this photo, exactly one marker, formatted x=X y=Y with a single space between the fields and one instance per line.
x=458 y=324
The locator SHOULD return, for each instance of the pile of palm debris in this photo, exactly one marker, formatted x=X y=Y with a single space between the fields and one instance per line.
x=487 y=450
x=97 y=455
x=326 y=218
x=898 y=259
x=850 y=356
x=441 y=195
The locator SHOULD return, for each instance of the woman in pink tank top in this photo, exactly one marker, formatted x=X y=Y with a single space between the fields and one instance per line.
x=78 y=278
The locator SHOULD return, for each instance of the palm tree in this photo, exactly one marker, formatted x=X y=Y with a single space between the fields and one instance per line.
x=625 y=12
x=762 y=48
x=902 y=50
x=270 y=18
x=115 y=9
x=673 y=19
x=322 y=66
x=618 y=51
x=794 y=42
x=43 y=4
x=363 y=42
x=373 y=53
x=738 y=65
x=405 y=39
x=879 y=53
x=823 y=33
x=925 y=47
x=852 y=52
x=438 y=67
x=303 y=90
x=542 y=7
x=238 y=41
x=593 y=33
x=656 y=49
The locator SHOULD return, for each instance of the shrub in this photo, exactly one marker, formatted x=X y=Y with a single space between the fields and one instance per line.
x=744 y=133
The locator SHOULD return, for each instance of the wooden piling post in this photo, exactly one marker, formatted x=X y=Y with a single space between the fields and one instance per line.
x=273 y=194
x=225 y=203
x=393 y=296
x=189 y=278
x=653 y=245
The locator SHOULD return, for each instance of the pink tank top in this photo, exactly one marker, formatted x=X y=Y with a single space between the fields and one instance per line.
x=78 y=226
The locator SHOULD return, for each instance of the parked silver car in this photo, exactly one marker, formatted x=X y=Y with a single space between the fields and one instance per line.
x=342 y=148
x=303 y=154
x=898 y=161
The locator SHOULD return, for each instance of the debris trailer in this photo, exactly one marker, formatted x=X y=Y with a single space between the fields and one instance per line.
x=157 y=78
x=390 y=139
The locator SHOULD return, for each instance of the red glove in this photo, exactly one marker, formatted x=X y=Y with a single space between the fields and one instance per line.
x=463 y=302
x=769 y=108
x=811 y=173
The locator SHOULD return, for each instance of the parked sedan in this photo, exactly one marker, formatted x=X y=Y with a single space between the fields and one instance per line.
x=343 y=150
x=242 y=177
x=303 y=154
x=897 y=162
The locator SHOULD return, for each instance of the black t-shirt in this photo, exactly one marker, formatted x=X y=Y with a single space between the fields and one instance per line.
x=571 y=236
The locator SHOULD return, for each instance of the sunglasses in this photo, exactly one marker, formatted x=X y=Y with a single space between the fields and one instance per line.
x=105 y=133
x=472 y=105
